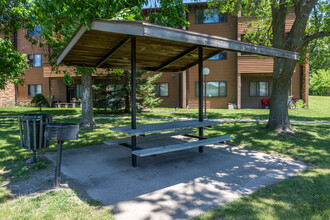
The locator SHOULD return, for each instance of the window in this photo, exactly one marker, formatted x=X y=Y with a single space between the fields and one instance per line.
x=219 y=56
x=34 y=60
x=34 y=90
x=74 y=91
x=35 y=32
x=161 y=89
x=259 y=89
x=213 y=89
x=207 y=16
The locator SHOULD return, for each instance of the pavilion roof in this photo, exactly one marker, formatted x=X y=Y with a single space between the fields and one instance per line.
x=158 y=48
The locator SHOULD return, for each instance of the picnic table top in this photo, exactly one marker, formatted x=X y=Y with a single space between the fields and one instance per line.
x=161 y=127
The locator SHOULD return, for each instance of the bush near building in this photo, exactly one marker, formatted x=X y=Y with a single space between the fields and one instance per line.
x=320 y=83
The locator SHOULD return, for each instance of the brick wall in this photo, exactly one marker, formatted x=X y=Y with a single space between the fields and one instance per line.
x=7 y=96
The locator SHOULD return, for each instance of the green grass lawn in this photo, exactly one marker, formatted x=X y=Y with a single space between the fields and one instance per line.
x=305 y=196
x=319 y=110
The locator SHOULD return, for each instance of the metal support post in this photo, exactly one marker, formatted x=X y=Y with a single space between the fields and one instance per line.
x=133 y=85
x=58 y=163
x=200 y=93
x=205 y=115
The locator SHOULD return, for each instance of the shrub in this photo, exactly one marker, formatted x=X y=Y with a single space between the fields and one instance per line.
x=300 y=104
x=24 y=104
x=40 y=100
x=320 y=83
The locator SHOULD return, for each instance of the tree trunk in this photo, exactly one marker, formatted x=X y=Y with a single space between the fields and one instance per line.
x=279 y=115
x=87 y=116
x=283 y=68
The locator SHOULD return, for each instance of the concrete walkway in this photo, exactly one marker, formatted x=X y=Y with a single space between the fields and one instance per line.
x=176 y=185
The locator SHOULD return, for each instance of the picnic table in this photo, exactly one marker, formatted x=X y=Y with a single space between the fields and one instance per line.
x=143 y=130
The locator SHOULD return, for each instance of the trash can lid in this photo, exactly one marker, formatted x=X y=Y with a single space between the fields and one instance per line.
x=32 y=117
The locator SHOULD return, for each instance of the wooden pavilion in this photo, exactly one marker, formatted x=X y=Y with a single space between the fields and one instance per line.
x=139 y=45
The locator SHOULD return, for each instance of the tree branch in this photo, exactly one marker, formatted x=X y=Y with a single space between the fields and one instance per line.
x=308 y=38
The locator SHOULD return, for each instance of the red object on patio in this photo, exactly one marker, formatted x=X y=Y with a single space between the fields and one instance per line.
x=265 y=101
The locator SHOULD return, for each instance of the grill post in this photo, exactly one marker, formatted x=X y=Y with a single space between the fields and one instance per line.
x=58 y=163
x=60 y=132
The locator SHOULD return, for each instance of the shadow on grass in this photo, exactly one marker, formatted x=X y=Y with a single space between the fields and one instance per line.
x=309 y=144
x=13 y=157
x=305 y=196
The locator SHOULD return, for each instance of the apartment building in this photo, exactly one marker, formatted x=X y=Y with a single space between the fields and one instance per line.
x=235 y=79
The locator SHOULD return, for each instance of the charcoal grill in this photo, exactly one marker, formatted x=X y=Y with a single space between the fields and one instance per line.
x=61 y=132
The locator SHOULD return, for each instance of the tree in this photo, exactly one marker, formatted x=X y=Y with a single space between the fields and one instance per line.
x=39 y=100
x=117 y=95
x=319 y=49
x=12 y=65
x=319 y=55
x=320 y=82
x=13 y=15
x=145 y=91
x=271 y=16
x=60 y=19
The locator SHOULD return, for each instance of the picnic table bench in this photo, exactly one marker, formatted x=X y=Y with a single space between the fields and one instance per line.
x=143 y=130
x=67 y=104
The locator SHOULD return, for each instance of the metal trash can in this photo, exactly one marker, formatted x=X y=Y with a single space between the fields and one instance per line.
x=32 y=132
x=61 y=132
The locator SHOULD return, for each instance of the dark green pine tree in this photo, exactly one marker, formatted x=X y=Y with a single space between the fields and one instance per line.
x=115 y=97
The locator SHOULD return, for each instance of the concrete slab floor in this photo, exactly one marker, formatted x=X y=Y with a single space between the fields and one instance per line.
x=177 y=185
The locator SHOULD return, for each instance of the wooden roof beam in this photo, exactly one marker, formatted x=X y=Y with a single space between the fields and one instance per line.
x=174 y=59
x=113 y=50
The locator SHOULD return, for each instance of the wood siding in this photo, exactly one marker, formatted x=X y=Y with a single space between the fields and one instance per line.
x=254 y=64
x=173 y=98
x=243 y=23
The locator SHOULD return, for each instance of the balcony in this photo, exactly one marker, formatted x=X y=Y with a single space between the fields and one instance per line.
x=255 y=64
x=47 y=72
